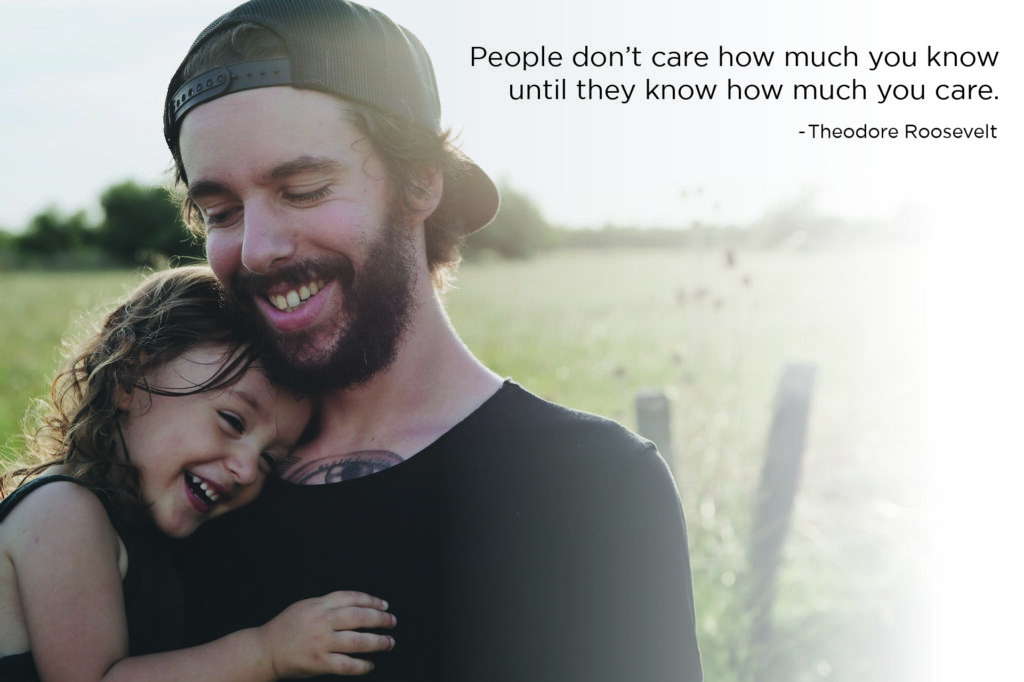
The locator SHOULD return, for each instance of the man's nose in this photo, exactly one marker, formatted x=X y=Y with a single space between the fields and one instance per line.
x=266 y=241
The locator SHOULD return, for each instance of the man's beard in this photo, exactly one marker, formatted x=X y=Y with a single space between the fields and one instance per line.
x=376 y=307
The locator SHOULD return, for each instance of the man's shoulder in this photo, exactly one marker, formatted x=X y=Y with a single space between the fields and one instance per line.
x=521 y=419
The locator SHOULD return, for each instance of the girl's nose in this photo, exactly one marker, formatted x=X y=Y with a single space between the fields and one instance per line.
x=244 y=466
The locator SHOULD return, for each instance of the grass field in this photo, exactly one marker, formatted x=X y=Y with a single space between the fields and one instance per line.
x=592 y=329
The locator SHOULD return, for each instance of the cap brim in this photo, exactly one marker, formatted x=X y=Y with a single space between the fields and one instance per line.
x=477 y=199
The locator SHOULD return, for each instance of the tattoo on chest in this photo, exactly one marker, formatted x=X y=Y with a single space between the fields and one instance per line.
x=335 y=468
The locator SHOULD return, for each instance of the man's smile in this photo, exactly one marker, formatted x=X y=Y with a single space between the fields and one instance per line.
x=291 y=299
x=291 y=308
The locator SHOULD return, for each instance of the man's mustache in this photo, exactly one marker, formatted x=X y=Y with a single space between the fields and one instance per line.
x=246 y=283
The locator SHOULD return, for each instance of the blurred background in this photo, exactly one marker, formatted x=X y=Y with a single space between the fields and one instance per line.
x=824 y=334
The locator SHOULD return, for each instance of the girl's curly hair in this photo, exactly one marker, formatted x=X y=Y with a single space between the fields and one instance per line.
x=166 y=315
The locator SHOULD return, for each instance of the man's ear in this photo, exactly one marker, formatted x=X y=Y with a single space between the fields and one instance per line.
x=429 y=186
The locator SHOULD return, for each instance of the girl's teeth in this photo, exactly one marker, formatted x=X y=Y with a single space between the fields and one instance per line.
x=209 y=493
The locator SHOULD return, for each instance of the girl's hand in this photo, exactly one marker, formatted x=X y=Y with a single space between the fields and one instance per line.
x=315 y=636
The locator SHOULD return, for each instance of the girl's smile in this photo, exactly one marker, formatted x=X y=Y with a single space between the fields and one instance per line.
x=203 y=454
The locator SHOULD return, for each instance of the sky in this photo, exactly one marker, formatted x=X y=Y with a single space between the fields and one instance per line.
x=83 y=86
x=85 y=82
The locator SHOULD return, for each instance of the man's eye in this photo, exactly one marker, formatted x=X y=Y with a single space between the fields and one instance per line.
x=309 y=197
x=233 y=420
x=218 y=218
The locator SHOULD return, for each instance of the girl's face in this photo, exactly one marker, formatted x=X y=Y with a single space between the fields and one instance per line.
x=202 y=455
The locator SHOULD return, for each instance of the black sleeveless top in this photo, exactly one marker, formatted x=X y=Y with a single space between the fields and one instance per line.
x=152 y=590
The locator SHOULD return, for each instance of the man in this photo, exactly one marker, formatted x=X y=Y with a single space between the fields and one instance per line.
x=514 y=539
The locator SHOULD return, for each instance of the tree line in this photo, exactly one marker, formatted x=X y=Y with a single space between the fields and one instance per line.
x=142 y=226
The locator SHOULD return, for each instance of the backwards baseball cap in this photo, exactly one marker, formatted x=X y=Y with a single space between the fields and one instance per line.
x=343 y=49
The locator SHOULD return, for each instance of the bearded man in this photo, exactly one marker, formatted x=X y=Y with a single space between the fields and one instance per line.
x=513 y=538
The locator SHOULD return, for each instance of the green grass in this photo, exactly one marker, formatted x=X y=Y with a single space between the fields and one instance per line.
x=38 y=311
x=592 y=329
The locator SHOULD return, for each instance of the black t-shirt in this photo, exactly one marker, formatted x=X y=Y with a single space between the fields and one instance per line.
x=528 y=543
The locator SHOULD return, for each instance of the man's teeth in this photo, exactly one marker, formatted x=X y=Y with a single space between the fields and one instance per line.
x=294 y=298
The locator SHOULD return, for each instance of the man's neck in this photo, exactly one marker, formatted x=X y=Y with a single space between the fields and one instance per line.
x=434 y=383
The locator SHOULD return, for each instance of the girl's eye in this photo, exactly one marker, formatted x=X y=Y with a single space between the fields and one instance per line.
x=270 y=462
x=232 y=420
x=309 y=197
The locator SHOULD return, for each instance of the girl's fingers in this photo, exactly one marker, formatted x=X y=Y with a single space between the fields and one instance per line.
x=340 y=664
x=348 y=642
x=349 y=598
x=354 y=617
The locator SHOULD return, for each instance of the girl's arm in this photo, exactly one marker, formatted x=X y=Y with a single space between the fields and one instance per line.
x=66 y=555
x=311 y=637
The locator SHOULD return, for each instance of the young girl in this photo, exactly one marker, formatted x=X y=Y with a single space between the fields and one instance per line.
x=160 y=421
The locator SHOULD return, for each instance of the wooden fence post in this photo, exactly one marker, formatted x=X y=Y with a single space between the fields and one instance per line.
x=653 y=421
x=773 y=506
